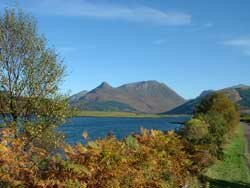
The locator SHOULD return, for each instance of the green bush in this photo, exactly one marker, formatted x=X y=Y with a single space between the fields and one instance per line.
x=196 y=130
x=220 y=104
x=214 y=120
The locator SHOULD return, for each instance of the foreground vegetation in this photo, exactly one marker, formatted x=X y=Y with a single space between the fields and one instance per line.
x=151 y=158
x=33 y=154
x=233 y=169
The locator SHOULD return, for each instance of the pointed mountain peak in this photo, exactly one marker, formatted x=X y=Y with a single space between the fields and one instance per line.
x=104 y=85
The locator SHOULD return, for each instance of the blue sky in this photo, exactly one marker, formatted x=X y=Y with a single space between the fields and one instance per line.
x=190 y=45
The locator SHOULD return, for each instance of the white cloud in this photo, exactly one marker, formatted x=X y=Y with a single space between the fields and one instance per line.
x=242 y=43
x=83 y=8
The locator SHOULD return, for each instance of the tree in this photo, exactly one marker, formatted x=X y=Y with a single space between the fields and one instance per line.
x=221 y=104
x=218 y=129
x=221 y=116
x=30 y=74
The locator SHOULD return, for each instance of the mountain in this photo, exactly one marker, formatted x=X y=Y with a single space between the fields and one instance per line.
x=206 y=92
x=239 y=94
x=144 y=97
x=77 y=96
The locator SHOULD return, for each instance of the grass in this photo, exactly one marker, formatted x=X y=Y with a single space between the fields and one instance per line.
x=233 y=170
x=119 y=114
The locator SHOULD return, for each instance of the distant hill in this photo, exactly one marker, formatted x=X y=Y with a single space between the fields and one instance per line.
x=145 y=97
x=77 y=96
x=240 y=94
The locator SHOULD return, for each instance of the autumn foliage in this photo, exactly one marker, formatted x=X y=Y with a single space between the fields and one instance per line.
x=150 y=159
x=32 y=153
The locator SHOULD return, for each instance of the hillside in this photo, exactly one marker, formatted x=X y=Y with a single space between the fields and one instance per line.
x=145 y=97
x=240 y=94
x=77 y=96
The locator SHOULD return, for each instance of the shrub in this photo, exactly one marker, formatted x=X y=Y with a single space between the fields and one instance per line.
x=196 y=130
x=220 y=104
x=206 y=133
x=151 y=159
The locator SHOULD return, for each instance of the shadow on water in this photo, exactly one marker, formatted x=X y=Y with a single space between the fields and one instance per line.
x=226 y=184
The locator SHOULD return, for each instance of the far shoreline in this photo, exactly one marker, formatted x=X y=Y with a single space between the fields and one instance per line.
x=117 y=114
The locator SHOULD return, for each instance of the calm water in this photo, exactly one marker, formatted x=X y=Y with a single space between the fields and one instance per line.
x=120 y=127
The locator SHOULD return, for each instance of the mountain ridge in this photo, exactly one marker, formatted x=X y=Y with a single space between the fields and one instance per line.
x=145 y=97
x=239 y=94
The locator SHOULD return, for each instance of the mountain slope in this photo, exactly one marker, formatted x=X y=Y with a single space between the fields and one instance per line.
x=146 y=97
x=77 y=96
x=239 y=94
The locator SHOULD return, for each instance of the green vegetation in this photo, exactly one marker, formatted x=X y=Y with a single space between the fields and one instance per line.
x=245 y=118
x=225 y=141
x=196 y=130
x=215 y=119
x=119 y=114
x=233 y=168
x=30 y=74
x=104 y=106
x=32 y=155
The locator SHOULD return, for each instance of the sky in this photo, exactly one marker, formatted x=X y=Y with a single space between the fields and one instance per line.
x=190 y=45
